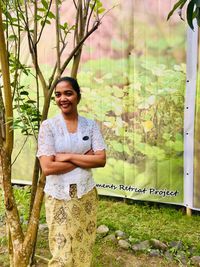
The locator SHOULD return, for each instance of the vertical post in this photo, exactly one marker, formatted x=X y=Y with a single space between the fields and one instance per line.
x=189 y=116
x=188 y=212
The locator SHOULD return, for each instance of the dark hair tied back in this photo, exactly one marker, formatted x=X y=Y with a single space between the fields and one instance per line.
x=73 y=83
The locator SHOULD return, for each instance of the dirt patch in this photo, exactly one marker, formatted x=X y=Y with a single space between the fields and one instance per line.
x=113 y=256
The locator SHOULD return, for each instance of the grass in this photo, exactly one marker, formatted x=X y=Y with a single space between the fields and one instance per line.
x=139 y=220
x=144 y=221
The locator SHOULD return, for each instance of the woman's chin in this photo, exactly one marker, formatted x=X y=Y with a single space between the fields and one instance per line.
x=66 y=109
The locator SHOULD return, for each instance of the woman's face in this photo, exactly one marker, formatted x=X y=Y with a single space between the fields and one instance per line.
x=66 y=97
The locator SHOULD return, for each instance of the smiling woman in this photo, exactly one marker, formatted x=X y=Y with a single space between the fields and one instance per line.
x=70 y=145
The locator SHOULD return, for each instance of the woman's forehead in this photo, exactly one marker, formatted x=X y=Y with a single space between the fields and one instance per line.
x=61 y=86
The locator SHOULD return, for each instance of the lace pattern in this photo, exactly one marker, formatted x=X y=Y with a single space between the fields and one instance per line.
x=54 y=138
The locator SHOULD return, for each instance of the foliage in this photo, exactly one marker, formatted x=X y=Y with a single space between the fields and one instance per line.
x=192 y=10
x=148 y=143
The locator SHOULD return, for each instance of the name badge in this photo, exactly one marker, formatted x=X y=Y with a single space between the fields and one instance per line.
x=85 y=138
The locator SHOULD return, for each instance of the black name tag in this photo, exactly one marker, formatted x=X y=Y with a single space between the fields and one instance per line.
x=85 y=138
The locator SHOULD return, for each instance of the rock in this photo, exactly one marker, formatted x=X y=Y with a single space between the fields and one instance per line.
x=154 y=253
x=178 y=245
x=182 y=257
x=124 y=244
x=120 y=235
x=168 y=255
x=110 y=237
x=192 y=250
x=102 y=230
x=195 y=260
x=158 y=244
x=144 y=245
x=43 y=227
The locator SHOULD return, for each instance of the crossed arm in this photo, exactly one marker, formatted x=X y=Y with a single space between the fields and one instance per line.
x=63 y=162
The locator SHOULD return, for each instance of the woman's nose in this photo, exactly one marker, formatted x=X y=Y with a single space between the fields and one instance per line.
x=64 y=97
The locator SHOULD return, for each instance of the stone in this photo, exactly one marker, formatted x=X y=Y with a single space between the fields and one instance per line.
x=168 y=255
x=154 y=253
x=178 y=245
x=182 y=257
x=195 y=260
x=110 y=237
x=192 y=250
x=157 y=244
x=102 y=230
x=124 y=244
x=144 y=245
x=120 y=235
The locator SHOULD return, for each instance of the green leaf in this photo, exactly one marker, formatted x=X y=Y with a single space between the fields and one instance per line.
x=24 y=93
x=179 y=3
x=38 y=17
x=12 y=37
x=190 y=9
x=62 y=27
x=41 y=9
x=31 y=101
x=101 y=10
x=45 y=4
x=51 y=15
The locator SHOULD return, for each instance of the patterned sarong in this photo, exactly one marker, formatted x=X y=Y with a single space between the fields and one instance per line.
x=72 y=229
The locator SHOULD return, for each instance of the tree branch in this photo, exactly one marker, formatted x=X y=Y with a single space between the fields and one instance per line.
x=57 y=37
x=89 y=18
x=40 y=34
x=94 y=28
x=6 y=90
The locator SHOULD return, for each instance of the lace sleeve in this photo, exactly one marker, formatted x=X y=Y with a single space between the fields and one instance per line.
x=46 y=145
x=97 y=138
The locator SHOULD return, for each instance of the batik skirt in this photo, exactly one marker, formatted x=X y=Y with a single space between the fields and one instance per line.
x=72 y=229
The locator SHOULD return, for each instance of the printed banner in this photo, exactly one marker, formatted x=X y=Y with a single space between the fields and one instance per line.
x=132 y=78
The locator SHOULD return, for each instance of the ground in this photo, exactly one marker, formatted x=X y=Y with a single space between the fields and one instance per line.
x=138 y=220
x=106 y=255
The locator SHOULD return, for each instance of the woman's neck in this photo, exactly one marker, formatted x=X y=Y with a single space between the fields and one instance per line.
x=70 y=117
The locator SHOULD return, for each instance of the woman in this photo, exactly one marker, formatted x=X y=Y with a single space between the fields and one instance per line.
x=68 y=146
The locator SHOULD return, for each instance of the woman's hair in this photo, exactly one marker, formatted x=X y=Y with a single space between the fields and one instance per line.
x=73 y=83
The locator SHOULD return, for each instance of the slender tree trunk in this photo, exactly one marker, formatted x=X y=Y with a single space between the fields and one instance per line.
x=76 y=62
x=34 y=183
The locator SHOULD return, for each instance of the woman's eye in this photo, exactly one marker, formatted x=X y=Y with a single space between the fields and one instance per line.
x=69 y=94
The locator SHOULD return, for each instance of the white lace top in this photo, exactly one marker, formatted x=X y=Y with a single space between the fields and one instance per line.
x=54 y=138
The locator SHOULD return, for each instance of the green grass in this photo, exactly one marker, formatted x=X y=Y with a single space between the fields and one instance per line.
x=140 y=220
x=144 y=221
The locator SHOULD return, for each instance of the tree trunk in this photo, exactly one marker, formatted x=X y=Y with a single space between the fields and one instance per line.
x=34 y=183
x=76 y=62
